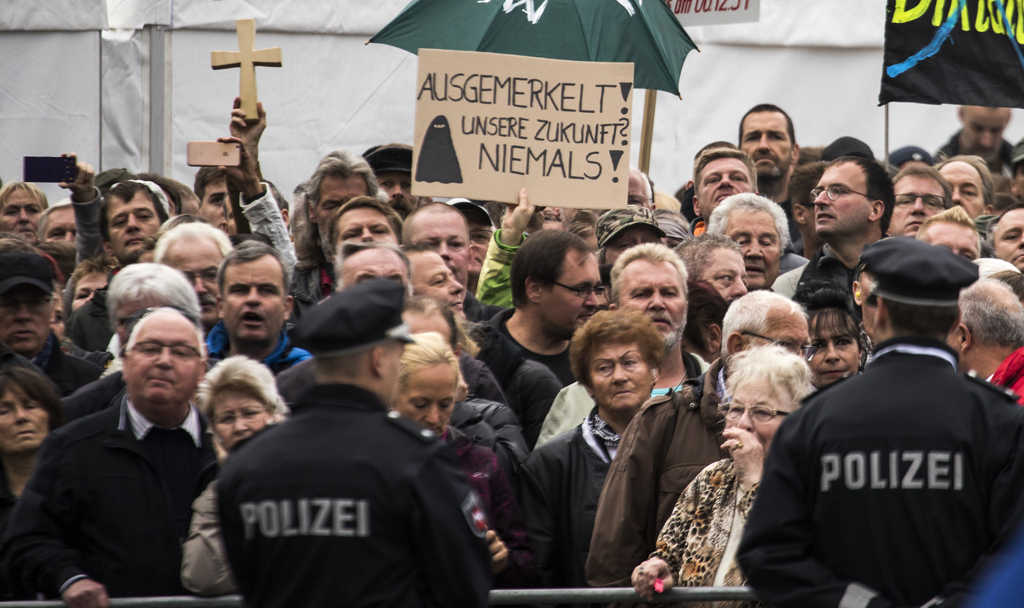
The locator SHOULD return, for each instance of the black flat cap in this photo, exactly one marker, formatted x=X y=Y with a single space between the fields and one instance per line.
x=846 y=146
x=355 y=319
x=913 y=272
x=19 y=268
x=392 y=157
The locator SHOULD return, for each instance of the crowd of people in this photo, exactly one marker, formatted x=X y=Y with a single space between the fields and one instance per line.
x=799 y=372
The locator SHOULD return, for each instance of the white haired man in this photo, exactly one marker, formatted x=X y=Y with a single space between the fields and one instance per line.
x=760 y=228
x=196 y=250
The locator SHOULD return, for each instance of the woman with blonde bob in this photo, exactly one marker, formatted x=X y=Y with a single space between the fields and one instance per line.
x=697 y=546
x=240 y=399
x=428 y=380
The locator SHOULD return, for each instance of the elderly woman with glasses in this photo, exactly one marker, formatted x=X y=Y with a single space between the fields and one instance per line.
x=239 y=398
x=697 y=546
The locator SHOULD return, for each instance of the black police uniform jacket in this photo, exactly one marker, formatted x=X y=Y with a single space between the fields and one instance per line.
x=887 y=488
x=96 y=506
x=344 y=505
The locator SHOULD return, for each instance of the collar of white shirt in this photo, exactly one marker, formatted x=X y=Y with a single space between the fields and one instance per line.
x=141 y=426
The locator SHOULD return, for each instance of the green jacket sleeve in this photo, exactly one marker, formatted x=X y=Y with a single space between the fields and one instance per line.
x=494 y=286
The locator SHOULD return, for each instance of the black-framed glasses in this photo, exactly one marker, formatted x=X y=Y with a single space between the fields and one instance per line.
x=933 y=202
x=835 y=192
x=583 y=292
x=758 y=413
x=805 y=350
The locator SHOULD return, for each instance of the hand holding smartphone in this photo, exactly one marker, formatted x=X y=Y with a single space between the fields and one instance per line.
x=49 y=169
x=213 y=154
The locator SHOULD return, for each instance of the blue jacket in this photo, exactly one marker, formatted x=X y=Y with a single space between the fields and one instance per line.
x=284 y=355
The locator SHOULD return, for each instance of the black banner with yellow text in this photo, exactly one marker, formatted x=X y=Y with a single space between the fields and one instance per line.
x=965 y=52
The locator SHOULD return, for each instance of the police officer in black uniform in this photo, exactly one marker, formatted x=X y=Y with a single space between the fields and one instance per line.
x=887 y=488
x=346 y=504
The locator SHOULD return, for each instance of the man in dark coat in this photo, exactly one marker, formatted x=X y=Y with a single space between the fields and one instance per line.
x=110 y=501
x=26 y=308
x=310 y=518
x=891 y=487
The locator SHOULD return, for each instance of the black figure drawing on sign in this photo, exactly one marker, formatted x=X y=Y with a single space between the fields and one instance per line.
x=437 y=162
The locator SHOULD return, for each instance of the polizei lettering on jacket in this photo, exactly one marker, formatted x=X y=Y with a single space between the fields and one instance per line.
x=306 y=517
x=895 y=470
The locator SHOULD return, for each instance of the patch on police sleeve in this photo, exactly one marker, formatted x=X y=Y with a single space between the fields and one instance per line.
x=474 y=514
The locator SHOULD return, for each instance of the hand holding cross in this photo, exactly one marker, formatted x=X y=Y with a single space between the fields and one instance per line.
x=247 y=58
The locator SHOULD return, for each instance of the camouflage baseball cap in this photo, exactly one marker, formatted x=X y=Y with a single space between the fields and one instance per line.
x=1018 y=155
x=617 y=220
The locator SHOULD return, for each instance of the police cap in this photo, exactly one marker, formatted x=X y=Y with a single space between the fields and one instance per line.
x=355 y=319
x=913 y=272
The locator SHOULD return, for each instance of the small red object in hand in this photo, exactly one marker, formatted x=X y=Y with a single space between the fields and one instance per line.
x=658 y=585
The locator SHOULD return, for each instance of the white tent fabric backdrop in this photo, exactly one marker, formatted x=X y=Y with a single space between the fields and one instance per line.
x=126 y=83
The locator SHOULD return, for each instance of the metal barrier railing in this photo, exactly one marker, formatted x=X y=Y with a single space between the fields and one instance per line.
x=499 y=597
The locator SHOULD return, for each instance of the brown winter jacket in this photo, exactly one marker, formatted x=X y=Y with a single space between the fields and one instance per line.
x=671 y=439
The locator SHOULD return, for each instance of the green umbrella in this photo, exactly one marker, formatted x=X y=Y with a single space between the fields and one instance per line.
x=644 y=33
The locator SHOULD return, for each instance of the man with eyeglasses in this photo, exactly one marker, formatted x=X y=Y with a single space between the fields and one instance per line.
x=853 y=206
x=555 y=283
x=197 y=251
x=104 y=514
x=921 y=192
x=890 y=487
x=671 y=440
x=481 y=229
x=444 y=229
x=26 y=306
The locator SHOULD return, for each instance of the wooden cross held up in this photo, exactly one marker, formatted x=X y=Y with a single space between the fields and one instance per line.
x=247 y=59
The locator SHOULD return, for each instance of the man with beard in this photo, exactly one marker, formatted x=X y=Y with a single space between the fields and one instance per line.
x=981 y=135
x=718 y=174
x=651 y=279
x=392 y=164
x=853 y=205
x=197 y=251
x=254 y=305
x=759 y=227
x=340 y=177
x=768 y=137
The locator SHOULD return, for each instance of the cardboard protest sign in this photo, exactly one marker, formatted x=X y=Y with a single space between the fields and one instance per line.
x=715 y=12
x=488 y=125
x=954 y=51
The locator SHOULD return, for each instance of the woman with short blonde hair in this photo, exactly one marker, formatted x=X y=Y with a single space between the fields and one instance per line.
x=428 y=380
